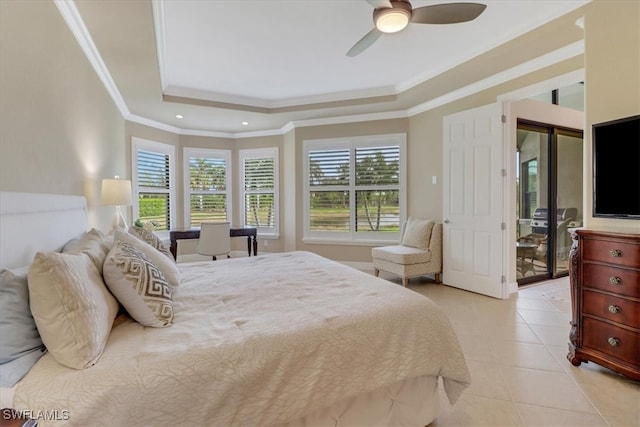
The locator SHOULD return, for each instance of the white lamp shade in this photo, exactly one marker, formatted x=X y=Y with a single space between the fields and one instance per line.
x=116 y=192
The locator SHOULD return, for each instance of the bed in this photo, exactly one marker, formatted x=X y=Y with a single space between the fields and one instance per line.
x=279 y=339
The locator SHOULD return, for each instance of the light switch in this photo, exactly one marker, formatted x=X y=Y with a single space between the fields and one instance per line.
x=434 y=180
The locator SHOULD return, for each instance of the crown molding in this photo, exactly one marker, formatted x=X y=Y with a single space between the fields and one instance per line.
x=72 y=17
x=223 y=100
x=157 y=9
x=74 y=21
x=564 y=53
x=492 y=44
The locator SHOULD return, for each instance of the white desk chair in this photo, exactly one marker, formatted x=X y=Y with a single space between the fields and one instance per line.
x=214 y=239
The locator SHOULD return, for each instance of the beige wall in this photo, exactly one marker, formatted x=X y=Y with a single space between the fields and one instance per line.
x=60 y=132
x=612 y=56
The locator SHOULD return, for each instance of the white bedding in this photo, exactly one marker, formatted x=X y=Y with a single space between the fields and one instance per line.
x=255 y=341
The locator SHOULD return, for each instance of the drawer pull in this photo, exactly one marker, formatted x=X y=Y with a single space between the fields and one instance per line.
x=615 y=280
x=613 y=342
x=615 y=253
x=614 y=309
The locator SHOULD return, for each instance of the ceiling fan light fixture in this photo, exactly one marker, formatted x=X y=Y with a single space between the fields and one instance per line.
x=394 y=19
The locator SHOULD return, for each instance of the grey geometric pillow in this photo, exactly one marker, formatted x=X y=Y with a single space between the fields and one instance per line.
x=149 y=237
x=140 y=287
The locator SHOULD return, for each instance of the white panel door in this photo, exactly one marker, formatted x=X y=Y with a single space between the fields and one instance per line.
x=473 y=201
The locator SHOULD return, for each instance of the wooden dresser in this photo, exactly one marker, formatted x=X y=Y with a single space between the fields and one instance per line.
x=605 y=294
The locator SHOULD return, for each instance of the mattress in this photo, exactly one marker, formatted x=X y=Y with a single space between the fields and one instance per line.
x=264 y=340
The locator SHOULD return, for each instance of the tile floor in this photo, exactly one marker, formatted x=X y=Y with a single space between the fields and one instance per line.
x=516 y=352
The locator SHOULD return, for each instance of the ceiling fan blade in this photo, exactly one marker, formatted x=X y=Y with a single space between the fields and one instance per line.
x=362 y=44
x=448 y=13
x=377 y=4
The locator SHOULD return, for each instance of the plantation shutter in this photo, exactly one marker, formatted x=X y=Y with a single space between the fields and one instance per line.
x=153 y=188
x=354 y=188
x=377 y=166
x=329 y=176
x=259 y=189
x=207 y=189
x=153 y=170
x=377 y=188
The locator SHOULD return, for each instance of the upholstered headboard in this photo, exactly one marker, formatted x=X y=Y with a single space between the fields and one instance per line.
x=31 y=222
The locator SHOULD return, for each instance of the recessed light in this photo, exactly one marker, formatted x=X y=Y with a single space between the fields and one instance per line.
x=179 y=116
x=245 y=123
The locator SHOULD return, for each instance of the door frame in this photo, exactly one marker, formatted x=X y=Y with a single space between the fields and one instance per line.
x=512 y=103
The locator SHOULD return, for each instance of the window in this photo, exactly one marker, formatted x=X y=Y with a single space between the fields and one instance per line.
x=259 y=188
x=207 y=185
x=354 y=188
x=153 y=182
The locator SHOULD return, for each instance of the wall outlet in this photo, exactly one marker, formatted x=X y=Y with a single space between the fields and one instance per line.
x=434 y=180
x=266 y=242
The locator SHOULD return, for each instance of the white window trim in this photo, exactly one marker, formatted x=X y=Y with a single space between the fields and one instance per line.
x=158 y=147
x=352 y=237
x=271 y=152
x=189 y=152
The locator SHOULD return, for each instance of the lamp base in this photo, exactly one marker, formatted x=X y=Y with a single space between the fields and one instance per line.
x=118 y=220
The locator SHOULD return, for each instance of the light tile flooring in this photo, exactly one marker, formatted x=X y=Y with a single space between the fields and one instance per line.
x=516 y=353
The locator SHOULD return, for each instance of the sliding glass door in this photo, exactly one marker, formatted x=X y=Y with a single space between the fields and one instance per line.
x=549 y=199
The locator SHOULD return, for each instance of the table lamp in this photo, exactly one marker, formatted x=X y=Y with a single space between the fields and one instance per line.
x=117 y=192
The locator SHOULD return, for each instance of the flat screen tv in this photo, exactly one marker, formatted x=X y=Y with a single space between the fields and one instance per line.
x=616 y=168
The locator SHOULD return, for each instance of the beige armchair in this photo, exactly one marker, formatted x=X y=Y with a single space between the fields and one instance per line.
x=419 y=252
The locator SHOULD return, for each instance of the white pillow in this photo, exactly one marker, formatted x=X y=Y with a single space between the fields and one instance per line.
x=139 y=285
x=93 y=243
x=417 y=233
x=164 y=264
x=71 y=306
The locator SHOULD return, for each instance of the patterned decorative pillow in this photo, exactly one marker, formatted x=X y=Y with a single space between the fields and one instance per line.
x=150 y=238
x=167 y=267
x=139 y=285
x=73 y=309
x=417 y=233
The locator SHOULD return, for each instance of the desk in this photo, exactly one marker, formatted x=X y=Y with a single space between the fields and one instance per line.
x=251 y=233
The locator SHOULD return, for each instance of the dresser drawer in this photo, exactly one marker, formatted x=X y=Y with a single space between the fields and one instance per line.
x=611 y=279
x=616 y=309
x=611 y=252
x=599 y=334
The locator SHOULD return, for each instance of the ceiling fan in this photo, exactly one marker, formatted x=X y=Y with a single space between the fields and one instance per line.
x=391 y=16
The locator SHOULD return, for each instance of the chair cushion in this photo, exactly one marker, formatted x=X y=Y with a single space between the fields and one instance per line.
x=401 y=254
x=417 y=233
